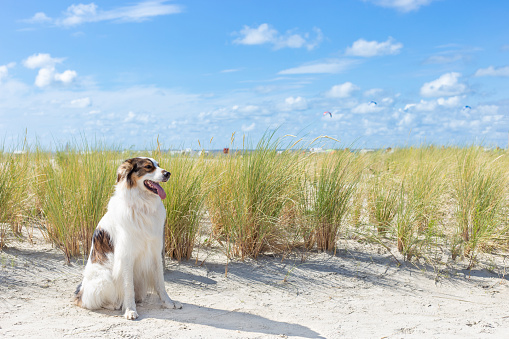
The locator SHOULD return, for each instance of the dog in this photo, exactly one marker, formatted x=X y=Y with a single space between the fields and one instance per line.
x=127 y=253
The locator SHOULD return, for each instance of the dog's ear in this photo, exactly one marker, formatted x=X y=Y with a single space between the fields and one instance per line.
x=125 y=171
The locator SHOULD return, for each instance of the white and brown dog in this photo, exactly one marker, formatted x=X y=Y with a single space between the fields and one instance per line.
x=126 y=258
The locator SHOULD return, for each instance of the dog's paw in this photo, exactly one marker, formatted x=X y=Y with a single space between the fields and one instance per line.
x=130 y=314
x=172 y=304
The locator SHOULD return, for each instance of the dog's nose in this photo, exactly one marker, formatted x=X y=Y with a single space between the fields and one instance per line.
x=166 y=175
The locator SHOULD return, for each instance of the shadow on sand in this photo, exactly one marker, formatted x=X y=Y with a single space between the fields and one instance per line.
x=230 y=320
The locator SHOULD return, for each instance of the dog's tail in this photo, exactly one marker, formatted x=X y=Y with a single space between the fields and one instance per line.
x=78 y=294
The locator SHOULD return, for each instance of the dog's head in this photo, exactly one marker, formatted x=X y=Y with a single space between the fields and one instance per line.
x=143 y=173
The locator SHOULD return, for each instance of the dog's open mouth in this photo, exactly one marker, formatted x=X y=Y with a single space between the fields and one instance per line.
x=155 y=188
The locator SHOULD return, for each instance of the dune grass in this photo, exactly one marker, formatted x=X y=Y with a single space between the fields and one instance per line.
x=480 y=191
x=249 y=194
x=74 y=189
x=184 y=203
x=273 y=197
x=14 y=194
x=327 y=198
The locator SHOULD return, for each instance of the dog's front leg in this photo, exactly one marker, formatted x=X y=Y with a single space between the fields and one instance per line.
x=129 y=305
x=160 y=289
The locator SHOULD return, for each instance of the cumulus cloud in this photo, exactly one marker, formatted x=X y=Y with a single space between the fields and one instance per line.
x=492 y=71
x=432 y=105
x=66 y=77
x=402 y=5
x=365 y=48
x=447 y=85
x=47 y=72
x=449 y=102
x=78 y=14
x=322 y=67
x=41 y=60
x=294 y=104
x=265 y=34
x=342 y=91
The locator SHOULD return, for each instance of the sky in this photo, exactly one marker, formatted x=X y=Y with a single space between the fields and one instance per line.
x=191 y=73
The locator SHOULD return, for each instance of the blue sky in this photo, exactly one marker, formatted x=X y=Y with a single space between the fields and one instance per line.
x=391 y=72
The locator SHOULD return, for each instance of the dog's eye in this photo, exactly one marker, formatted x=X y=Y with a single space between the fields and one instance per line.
x=148 y=167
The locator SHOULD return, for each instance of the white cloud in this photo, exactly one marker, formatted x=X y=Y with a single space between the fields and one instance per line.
x=265 y=34
x=81 y=103
x=248 y=128
x=422 y=106
x=401 y=5
x=246 y=109
x=67 y=77
x=365 y=48
x=449 y=102
x=366 y=107
x=45 y=77
x=373 y=92
x=342 y=91
x=257 y=36
x=429 y=106
x=294 y=104
x=39 y=18
x=84 y=13
x=325 y=67
x=388 y=101
x=446 y=85
x=41 y=60
x=492 y=71
x=47 y=73
x=4 y=70
x=444 y=59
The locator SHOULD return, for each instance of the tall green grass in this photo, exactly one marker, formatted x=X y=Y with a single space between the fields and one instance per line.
x=74 y=190
x=480 y=189
x=184 y=203
x=327 y=198
x=249 y=194
x=273 y=197
x=14 y=191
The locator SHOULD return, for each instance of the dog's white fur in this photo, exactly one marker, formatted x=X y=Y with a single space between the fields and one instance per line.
x=134 y=222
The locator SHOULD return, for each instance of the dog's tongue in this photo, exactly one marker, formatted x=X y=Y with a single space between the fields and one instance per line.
x=160 y=190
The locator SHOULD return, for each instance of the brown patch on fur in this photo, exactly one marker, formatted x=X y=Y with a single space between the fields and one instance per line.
x=134 y=168
x=101 y=246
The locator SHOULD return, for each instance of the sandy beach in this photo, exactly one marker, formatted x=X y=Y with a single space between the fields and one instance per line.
x=361 y=292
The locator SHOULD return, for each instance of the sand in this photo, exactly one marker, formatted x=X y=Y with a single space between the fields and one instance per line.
x=360 y=292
